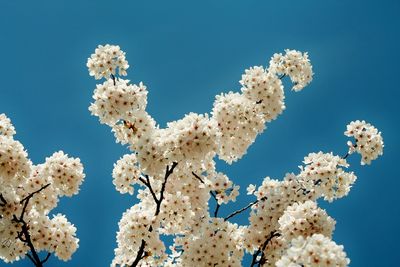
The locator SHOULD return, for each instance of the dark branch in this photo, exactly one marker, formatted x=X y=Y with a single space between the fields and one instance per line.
x=26 y=200
x=47 y=257
x=217 y=209
x=167 y=174
x=113 y=78
x=3 y=200
x=141 y=253
x=24 y=236
x=30 y=257
x=261 y=250
x=262 y=260
x=243 y=209
x=148 y=184
x=211 y=193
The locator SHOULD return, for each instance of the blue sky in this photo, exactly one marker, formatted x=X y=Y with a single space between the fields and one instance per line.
x=186 y=52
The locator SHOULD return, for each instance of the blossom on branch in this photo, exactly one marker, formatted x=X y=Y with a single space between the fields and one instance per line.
x=27 y=195
x=175 y=170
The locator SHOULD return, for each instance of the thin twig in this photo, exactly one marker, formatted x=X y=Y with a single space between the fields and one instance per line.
x=47 y=257
x=141 y=253
x=243 y=209
x=24 y=235
x=211 y=193
x=148 y=184
x=3 y=200
x=26 y=200
x=113 y=78
x=261 y=250
x=262 y=260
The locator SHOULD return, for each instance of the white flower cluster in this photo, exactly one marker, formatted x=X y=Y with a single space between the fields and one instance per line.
x=6 y=128
x=305 y=219
x=15 y=167
x=323 y=173
x=316 y=250
x=176 y=213
x=114 y=102
x=126 y=173
x=294 y=64
x=133 y=230
x=274 y=197
x=223 y=187
x=266 y=90
x=192 y=138
x=369 y=142
x=19 y=179
x=106 y=60
x=239 y=123
x=56 y=236
x=285 y=224
x=65 y=173
x=215 y=245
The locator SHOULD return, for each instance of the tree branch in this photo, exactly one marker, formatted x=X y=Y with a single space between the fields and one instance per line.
x=47 y=257
x=113 y=78
x=24 y=235
x=243 y=209
x=26 y=200
x=3 y=200
x=261 y=250
x=211 y=193
x=141 y=253
x=148 y=184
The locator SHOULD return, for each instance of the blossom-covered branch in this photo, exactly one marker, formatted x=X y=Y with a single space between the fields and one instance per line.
x=217 y=205
x=168 y=172
x=27 y=195
x=284 y=219
x=24 y=235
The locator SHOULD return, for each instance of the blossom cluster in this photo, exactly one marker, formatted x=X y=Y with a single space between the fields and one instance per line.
x=106 y=60
x=314 y=251
x=323 y=173
x=286 y=227
x=369 y=142
x=28 y=194
x=294 y=64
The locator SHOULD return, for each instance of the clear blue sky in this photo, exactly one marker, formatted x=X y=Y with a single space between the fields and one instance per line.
x=186 y=52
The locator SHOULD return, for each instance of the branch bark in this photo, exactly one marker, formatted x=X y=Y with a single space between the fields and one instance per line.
x=211 y=193
x=24 y=235
x=243 y=209
x=261 y=261
x=141 y=253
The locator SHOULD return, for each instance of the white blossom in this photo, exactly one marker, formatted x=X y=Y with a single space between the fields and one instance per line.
x=323 y=173
x=294 y=64
x=66 y=173
x=286 y=227
x=305 y=219
x=106 y=60
x=265 y=90
x=369 y=142
x=239 y=122
x=133 y=228
x=15 y=166
x=6 y=127
x=119 y=101
x=216 y=245
x=28 y=193
x=316 y=250
x=126 y=173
